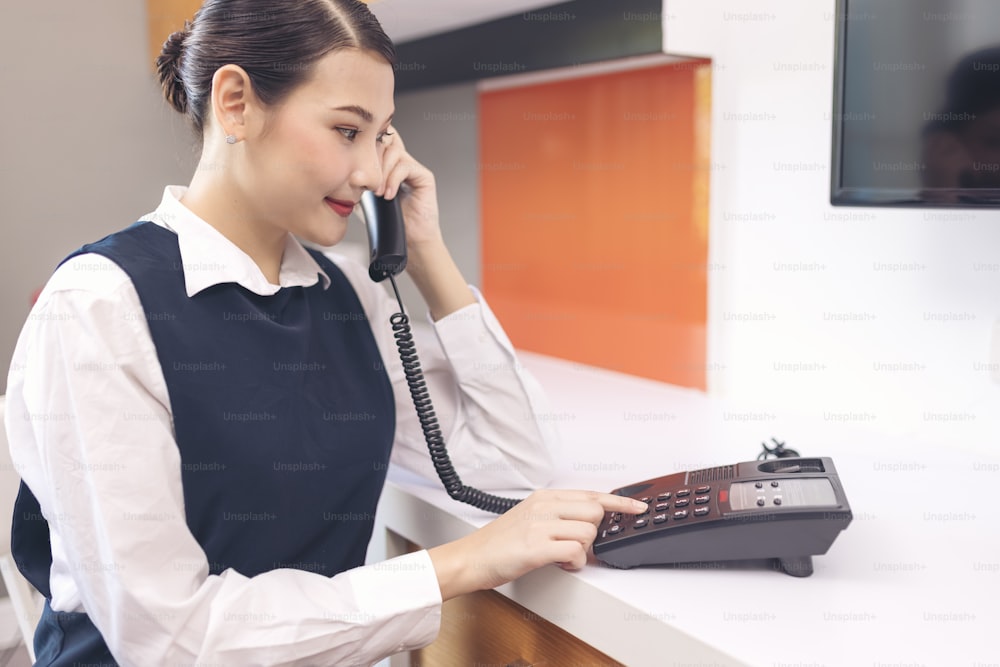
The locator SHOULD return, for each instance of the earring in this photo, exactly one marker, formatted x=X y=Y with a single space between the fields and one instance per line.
x=230 y=138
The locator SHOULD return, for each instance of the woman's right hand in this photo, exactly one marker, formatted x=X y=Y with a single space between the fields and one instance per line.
x=549 y=526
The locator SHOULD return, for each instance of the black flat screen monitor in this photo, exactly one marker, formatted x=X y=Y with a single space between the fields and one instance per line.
x=916 y=117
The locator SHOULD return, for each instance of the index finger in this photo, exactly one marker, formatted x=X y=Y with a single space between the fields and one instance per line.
x=615 y=503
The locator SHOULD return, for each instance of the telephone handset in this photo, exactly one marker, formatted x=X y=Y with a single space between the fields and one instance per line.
x=386 y=240
x=387 y=258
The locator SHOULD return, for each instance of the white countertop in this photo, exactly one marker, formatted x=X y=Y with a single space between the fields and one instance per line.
x=913 y=580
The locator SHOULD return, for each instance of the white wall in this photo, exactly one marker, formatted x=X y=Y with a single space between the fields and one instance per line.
x=86 y=142
x=784 y=263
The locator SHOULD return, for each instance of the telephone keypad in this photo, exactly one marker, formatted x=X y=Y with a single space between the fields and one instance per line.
x=659 y=509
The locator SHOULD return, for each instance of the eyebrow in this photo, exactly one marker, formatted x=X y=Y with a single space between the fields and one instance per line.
x=364 y=113
x=360 y=111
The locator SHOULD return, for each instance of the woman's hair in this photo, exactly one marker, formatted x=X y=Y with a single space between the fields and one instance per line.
x=277 y=43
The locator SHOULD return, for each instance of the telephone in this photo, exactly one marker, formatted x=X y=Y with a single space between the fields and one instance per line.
x=788 y=508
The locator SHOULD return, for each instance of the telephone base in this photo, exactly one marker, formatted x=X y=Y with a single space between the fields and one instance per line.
x=780 y=512
x=800 y=566
x=796 y=566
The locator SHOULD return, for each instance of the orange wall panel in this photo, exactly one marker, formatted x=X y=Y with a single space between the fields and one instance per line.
x=594 y=209
x=164 y=17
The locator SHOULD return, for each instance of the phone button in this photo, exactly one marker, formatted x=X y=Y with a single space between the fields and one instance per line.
x=614 y=530
x=660 y=518
x=683 y=502
x=701 y=500
x=683 y=492
x=640 y=523
x=680 y=514
x=664 y=496
x=662 y=506
x=616 y=517
x=700 y=511
x=703 y=489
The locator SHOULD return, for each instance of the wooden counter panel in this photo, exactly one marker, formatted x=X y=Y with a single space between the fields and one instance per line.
x=488 y=629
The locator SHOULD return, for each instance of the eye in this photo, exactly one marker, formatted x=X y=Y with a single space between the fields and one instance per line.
x=382 y=135
x=350 y=133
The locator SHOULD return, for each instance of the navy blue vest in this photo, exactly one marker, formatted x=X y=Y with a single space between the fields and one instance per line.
x=284 y=418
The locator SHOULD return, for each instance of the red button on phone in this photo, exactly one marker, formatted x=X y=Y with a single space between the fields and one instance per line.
x=723 y=495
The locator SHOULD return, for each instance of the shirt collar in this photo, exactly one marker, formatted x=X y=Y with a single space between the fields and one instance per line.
x=208 y=258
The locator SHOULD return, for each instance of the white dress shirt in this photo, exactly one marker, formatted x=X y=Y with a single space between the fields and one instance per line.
x=90 y=429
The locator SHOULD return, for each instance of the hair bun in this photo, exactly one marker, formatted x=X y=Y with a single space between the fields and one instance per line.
x=168 y=67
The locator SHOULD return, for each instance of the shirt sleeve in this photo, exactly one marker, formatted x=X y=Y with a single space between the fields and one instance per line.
x=491 y=410
x=91 y=433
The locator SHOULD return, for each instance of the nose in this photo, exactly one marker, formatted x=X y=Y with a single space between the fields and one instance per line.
x=367 y=174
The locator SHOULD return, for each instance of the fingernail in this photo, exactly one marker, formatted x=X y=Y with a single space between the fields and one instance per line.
x=639 y=505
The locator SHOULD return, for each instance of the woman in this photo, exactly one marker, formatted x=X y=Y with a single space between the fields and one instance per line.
x=203 y=410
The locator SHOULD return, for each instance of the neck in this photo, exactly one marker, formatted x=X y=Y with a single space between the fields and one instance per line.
x=217 y=201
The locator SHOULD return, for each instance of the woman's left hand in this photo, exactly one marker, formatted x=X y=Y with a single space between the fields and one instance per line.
x=414 y=183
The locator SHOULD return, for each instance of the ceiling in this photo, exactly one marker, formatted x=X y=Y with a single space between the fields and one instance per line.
x=410 y=19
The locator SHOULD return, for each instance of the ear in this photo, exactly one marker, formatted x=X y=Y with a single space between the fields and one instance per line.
x=232 y=93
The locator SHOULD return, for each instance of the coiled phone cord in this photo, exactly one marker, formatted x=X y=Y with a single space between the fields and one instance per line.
x=428 y=420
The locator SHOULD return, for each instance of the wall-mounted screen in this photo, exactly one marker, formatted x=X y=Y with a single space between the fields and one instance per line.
x=916 y=117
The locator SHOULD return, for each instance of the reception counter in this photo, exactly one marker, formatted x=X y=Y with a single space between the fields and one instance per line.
x=913 y=580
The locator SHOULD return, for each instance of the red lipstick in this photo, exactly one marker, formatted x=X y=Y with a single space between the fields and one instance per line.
x=340 y=207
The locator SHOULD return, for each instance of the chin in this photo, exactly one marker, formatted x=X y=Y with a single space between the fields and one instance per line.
x=325 y=235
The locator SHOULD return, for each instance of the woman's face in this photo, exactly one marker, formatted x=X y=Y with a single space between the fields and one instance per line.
x=321 y=147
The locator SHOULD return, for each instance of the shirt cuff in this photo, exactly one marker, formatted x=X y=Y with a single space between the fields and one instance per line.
x=477 y=324
x=404 y=596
